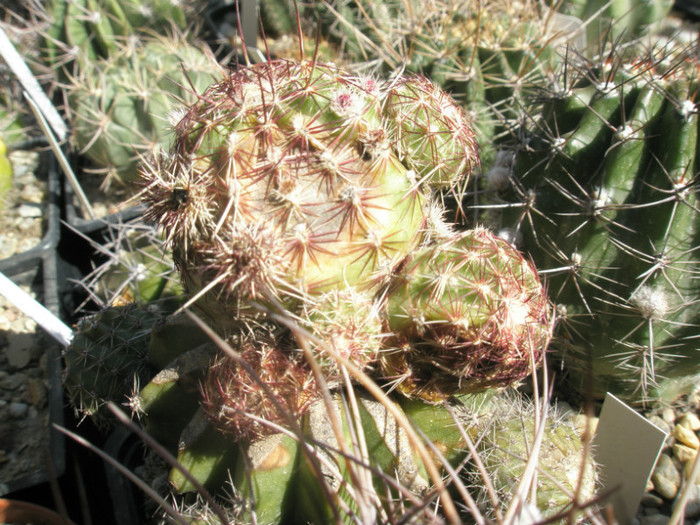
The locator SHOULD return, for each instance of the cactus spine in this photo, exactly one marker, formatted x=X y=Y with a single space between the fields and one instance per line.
x=470 y=313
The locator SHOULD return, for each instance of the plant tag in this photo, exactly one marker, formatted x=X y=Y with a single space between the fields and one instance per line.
x=626 y=446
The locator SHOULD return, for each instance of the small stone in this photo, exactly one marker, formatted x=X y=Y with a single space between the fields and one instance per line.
x=30 y=211
x=687 y=470
x=19 y=350
x=13 y=381
x=36 y=392
x=655 y=519
x=18 y=410
x=32 y=194
x=690 y=421
x=684 y=453
x=668 y=415
x=686 y=436
x=666 y=477
x=651 y=500
x=661 y=423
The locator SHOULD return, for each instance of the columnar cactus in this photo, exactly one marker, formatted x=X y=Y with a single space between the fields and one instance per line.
x=617 y=19
x=604 y=197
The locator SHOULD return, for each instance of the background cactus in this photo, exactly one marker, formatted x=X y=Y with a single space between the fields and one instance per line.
x=617 y=20
x=488 y=55
x=82 y=31
x=120 y=105
x=602 y=192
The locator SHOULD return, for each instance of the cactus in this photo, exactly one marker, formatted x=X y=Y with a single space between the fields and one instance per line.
x=120 y=106
x=87 y=30
x=107 y=358
x=565 y=471
x=467 y=314
x=301 y=204
x=232 y=393
x=619 y=20
x=604 y=198
x=134 y=269
x=287 y=181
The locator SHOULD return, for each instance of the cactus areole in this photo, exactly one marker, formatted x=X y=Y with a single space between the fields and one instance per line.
x=289 y=179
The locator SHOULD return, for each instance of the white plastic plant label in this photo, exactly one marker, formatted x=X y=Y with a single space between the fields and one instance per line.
x=626 y=446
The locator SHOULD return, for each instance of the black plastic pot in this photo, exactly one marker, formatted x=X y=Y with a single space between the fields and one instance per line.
x=38 y=268
x=76 y=220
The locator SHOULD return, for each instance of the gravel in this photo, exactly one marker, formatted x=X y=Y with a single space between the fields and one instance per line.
x=22 y=223
x=24 y=410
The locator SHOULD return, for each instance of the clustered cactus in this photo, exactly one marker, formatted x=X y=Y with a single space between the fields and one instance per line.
x=291 y=179
x=601 y=189
x=303 y=208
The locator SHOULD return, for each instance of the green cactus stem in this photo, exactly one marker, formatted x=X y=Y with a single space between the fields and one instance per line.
x=108 y=357
x=604 y=198
x=82 y=31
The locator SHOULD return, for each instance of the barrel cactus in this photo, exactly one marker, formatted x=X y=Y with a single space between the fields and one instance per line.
x=601 y=190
